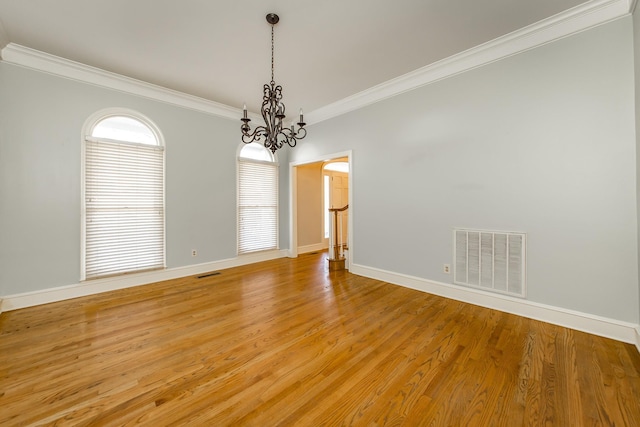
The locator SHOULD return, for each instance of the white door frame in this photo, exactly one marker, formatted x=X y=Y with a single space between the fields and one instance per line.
x=293 y=200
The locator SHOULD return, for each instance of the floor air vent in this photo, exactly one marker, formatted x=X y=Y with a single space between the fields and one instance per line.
x=490 y=260
x=213 y=273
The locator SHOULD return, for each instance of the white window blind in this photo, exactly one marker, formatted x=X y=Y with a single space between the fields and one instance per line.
x=257 y=206
x=124 y=207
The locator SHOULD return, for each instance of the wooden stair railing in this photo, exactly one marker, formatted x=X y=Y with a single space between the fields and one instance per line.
x=337 y=262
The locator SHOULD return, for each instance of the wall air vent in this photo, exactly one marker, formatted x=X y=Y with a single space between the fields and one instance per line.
x=490 y=260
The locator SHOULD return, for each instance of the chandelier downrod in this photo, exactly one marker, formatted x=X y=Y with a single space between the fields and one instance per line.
x=273 y=134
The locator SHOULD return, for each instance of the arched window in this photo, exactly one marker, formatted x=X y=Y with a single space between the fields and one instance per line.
x=123 y=195
x=257 y=199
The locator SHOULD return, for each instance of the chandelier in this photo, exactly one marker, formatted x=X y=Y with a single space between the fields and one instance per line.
x=274 y=133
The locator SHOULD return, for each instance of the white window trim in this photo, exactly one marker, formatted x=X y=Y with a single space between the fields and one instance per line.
x=275 y=163
x=87 y=130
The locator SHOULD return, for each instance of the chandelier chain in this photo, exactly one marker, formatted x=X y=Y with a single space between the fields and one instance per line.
x=272 y=62
x=273 y=133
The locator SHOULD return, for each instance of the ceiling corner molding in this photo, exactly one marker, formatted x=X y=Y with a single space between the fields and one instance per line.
x=37 y=60
x=632 y=6
x=572 y=21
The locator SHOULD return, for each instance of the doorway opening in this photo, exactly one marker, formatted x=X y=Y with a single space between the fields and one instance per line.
x=317 y=186
x=335 y=176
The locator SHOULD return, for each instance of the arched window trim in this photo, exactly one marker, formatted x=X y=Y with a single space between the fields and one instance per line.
x=87 y=130
x=244 y=164
x=99 y=116
x=274 y=156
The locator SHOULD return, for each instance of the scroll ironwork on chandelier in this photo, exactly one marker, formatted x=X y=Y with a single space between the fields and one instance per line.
x=274 y=134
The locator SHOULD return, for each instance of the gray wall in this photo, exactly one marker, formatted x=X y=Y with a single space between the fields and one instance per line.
x=4 y=39
x=541 y=142
x=41 y=119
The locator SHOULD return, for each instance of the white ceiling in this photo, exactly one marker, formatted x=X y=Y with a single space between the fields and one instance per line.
x=325 y=50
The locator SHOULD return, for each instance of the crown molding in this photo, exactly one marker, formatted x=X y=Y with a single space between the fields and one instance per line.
x=579 y=18
x=31 y=58
x=572 y=21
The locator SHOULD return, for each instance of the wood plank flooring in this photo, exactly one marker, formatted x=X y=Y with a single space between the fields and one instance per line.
x=287 y=342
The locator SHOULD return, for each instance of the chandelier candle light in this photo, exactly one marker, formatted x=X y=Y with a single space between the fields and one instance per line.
x=273 y=133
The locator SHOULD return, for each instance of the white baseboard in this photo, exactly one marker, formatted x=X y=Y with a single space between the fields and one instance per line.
x=610 y=328
x=91 y=287
x=602 y=326
x=312 y=248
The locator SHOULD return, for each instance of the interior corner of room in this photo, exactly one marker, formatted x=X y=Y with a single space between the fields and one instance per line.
x=505 y=175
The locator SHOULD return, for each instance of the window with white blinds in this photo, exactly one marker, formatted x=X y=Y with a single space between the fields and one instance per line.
x=123 y=199
x=257 y=200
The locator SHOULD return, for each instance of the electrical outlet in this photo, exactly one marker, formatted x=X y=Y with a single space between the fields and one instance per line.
x=446 y=268
x=194 y=252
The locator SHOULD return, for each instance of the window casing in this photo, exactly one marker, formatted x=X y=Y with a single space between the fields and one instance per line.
x=257 y=199
x=123 y=227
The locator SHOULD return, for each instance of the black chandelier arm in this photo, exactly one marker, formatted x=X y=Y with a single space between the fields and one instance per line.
x=284 y=135
x=274 y=132
x=302 y=132
x=248 y=137
x=290 y=136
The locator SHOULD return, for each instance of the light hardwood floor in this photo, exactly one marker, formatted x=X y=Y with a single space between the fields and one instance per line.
x=287 y=342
